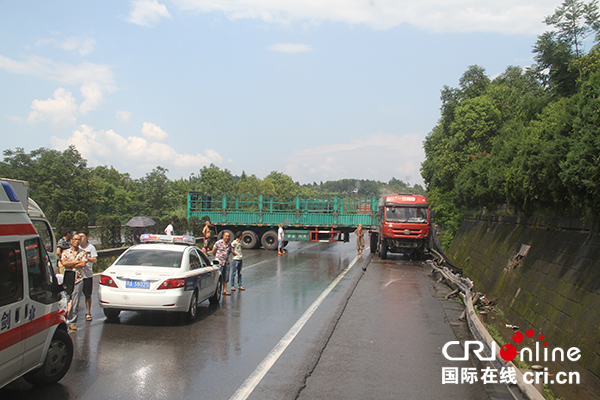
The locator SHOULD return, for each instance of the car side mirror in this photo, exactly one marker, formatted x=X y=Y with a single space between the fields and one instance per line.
x=216 y=262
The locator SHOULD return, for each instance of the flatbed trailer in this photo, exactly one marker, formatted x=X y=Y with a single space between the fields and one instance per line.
x=305 y=218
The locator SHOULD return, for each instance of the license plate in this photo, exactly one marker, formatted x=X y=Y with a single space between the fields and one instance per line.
x=137 y=284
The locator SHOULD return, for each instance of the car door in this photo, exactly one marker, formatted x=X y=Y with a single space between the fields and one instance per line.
x=208 y=277
x=12 y=315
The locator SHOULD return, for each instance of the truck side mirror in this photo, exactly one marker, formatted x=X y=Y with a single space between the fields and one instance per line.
x=432 y=214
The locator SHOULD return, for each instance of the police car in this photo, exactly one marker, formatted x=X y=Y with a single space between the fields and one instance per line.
x=162 y=273
x=34 y=342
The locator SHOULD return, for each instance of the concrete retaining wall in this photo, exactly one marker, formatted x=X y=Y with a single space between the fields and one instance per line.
x=544 y=272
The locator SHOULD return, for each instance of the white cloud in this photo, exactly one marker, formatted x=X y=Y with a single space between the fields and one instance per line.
x=378 y=156
x=133 y=153
x=82 y=45
x=153 y=132
x=123 y=116
x=94 y=80
x=290 y=47
x=60 y=110
x=147 y=12
x=507 y=16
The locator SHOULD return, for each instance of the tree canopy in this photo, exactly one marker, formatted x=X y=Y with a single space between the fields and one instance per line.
x=528 y=139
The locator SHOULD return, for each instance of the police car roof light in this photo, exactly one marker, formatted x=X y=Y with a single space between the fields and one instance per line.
x=181 y=239
x=10 y=192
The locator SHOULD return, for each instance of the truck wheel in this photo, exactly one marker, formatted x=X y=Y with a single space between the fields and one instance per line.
x=269 y=240
x=373 y=243
x=383 y=248
x=249 y=240
x=231 y=235
x=57 y=362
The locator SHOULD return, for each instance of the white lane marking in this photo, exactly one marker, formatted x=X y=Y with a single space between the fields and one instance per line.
x=254 y=379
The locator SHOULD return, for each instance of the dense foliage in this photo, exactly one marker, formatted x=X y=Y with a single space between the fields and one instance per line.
x=529 y=138
x=73 y=194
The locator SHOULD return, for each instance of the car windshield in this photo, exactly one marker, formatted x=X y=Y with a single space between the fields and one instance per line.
x=416 y=215
x=151 y=258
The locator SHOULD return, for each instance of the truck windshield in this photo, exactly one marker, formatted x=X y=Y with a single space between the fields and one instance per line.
x=415 y=215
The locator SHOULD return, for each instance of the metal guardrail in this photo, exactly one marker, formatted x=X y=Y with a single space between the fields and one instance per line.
x=479 y=331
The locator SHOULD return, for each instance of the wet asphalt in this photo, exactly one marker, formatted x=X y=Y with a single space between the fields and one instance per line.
x=377 y=334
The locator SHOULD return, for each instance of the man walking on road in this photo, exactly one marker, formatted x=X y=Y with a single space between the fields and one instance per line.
x=280 y=236
x=74 y=259
x=88 y=271
x=236 y=266
x=221 y=251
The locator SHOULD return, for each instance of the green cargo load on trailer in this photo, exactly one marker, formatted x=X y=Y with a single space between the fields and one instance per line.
x=305 y=218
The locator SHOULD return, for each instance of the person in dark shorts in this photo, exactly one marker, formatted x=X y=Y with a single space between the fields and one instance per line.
x=206 y=237
x=88 y=272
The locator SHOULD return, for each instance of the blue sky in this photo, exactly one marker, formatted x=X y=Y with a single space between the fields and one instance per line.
x=318 y=89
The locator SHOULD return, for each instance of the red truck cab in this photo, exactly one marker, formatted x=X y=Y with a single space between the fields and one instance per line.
x=403 y=226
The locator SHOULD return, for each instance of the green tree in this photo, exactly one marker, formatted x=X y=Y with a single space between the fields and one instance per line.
x=574 y=21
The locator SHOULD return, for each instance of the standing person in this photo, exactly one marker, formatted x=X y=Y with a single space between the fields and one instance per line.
x=137 y=232
x=169 y=229
x=63 y=243
x=360 y=239
x=280 y=236
x=206 y=236
x=221 y=251
x=236 y=266
x=74 y=259
x=88 y=271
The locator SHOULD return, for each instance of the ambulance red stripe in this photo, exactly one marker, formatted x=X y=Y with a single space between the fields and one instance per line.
x=29 y=329
x=17 y=229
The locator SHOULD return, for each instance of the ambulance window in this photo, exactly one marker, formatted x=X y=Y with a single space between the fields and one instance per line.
x=43 y=229
x=11 y=273
x=39 y=278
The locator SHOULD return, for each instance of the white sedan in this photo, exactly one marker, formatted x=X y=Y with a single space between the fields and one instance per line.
x=163 y=273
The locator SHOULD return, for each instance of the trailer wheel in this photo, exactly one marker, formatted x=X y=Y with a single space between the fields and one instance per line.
x=383 y=248
x=249 y=240
x=231 y=235
x=269 y=240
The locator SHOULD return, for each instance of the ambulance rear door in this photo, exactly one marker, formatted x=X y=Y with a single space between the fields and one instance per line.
x=12 y=316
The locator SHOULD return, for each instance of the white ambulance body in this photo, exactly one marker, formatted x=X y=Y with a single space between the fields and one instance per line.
x=37 y=217
x=33 y=333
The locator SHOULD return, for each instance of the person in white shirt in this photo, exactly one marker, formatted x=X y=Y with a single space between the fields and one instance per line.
x=88 y=272
x=169 y=229
x=280 y=236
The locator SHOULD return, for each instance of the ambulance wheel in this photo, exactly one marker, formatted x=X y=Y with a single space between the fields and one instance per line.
x=57 y=362
x=111 y=313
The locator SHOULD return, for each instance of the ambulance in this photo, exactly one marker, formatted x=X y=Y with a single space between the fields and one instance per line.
x=34 y=342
